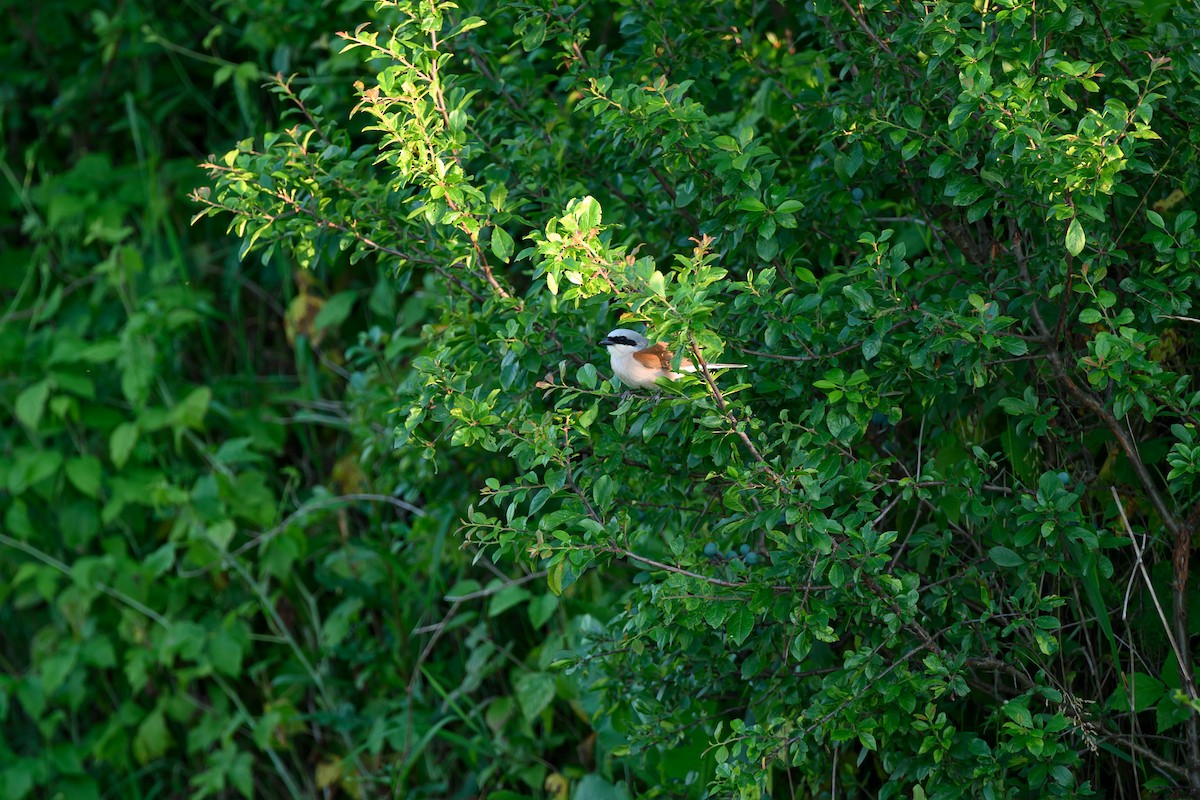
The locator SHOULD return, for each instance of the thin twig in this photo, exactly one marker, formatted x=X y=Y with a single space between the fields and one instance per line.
x=463 y=598
x=818 y=356
x=626 y=553
x=1141 y=564
x=733 y=423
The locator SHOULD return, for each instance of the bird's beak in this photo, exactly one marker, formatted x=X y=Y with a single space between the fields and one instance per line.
x=605 y=342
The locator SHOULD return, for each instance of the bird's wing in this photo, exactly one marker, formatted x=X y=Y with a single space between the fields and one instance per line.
x=657 y=356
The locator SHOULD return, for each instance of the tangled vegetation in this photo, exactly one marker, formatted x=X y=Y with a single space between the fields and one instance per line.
x=361 y=510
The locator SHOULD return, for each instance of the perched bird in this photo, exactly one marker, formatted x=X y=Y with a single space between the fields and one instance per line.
x=639 y=364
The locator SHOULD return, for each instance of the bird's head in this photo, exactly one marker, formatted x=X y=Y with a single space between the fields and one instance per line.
x=623 y=340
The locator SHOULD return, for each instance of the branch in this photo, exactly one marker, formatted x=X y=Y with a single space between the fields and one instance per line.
x=621 y=551
x=1163 y=765
x=1141 y=564
x=879 y=42
x=624 y=553
x=818 y=356
x=702 y=371
x=462 y=598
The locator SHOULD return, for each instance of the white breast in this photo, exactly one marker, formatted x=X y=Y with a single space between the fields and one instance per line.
x=633 y=373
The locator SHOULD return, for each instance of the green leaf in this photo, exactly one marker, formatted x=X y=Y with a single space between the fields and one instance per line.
x=541 y=608
x=555 y=575
x=101 y=352
x=587 y=376
x=1075 y=237
x=940 y=165
x=136 y=361
x=98 y=652
x=31 y=403
x=79 y=521
x=55 y=669
x=152 y=738
x=121 y=442
x=1137 y=692
x=589 y=415
x=685 y=193
x=859 y=296
x=740 y=624
x=189 y=412
x=335 y=310
x=1014 y=346
x=871 y=346
x=589 y=214
x=502 y=244
x=539 y=500
x=535 y=691
x=532 y=33
x=1168 y=714
x=726 y=143
x=657 y=284
x=1005 y=557
x=959 y=114
x=241 y=775
x=18 y=522
x=32 y=467
x=766 y=248
x=160 y=560
x=227 y=653
x=469 y=24
x=16 y=780
x=1089 y=316
x=339 y=622
x=84 y=474
x=506 y=598
x=603 y=491
x=979 y=210
x=853 y=159
x=594 y=787
x=221 y=533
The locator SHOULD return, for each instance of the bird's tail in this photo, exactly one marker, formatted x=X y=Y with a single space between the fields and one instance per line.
x=692 y=367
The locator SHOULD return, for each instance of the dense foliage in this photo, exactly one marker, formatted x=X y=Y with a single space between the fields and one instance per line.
x=933 y=541
x=152 y=406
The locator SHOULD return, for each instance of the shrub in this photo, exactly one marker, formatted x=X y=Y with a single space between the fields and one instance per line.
x=954 y=245
x=140 y=449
